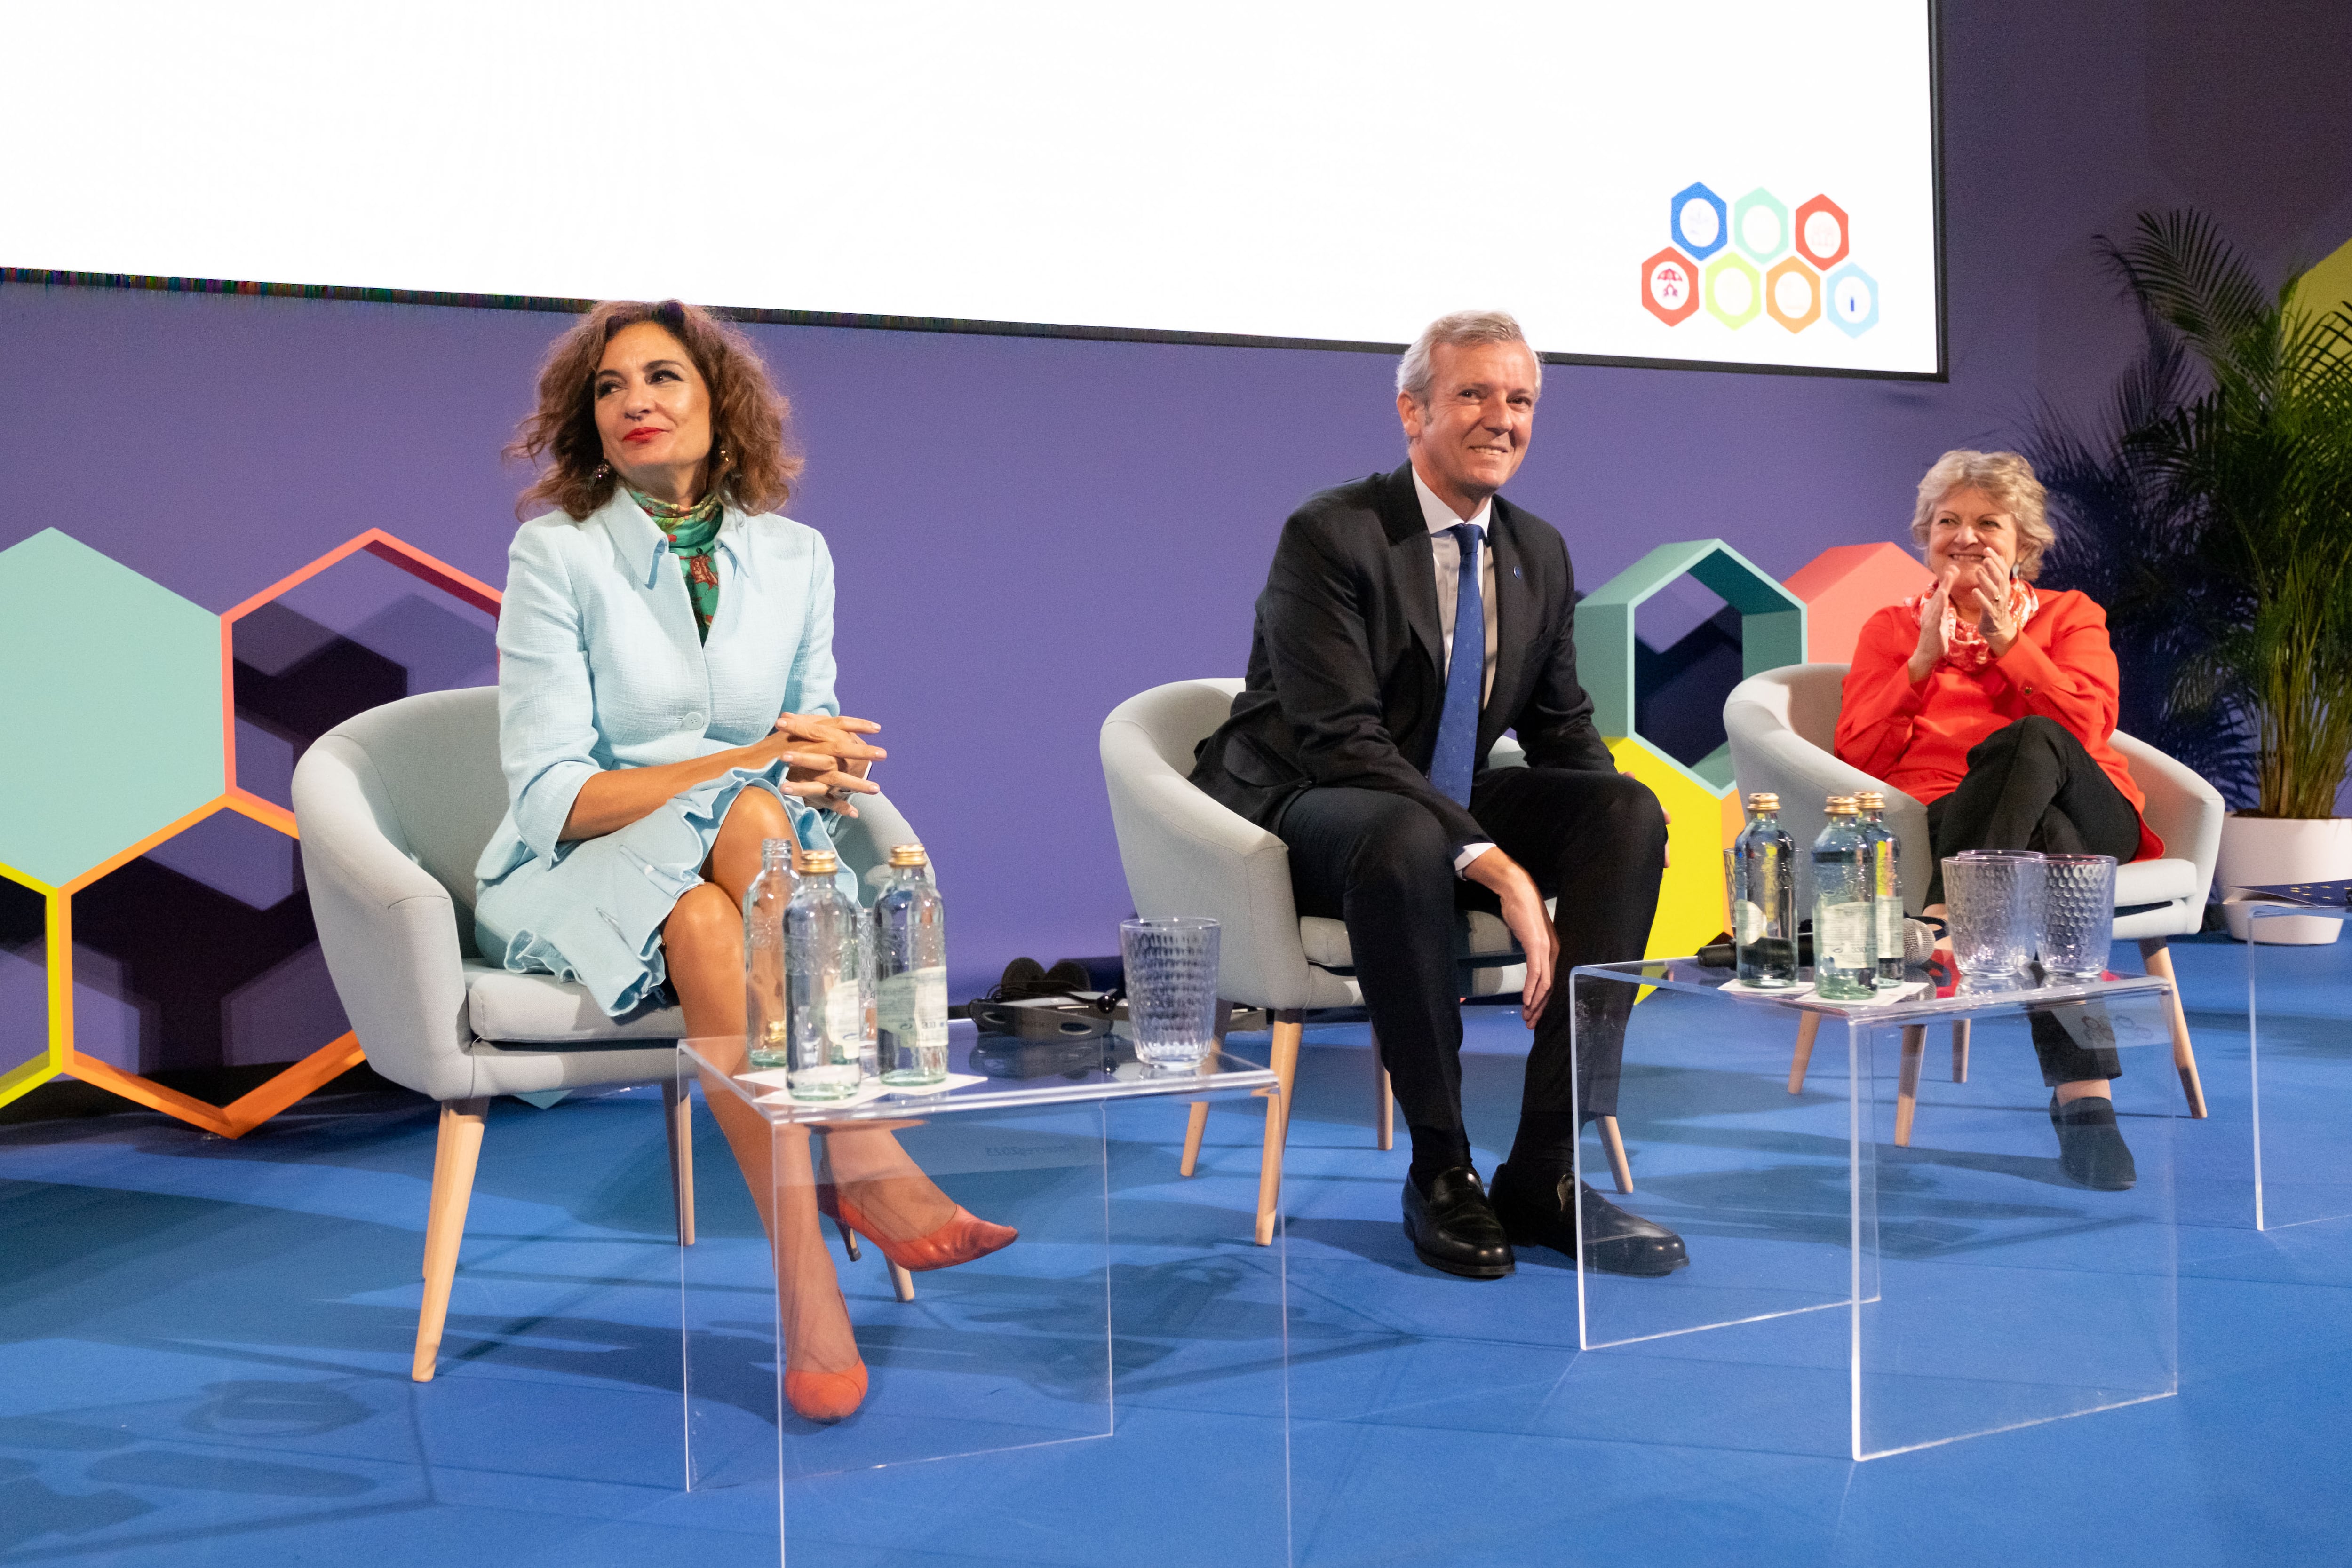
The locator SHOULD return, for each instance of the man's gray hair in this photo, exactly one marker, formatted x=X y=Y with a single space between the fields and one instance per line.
x=1462 y=327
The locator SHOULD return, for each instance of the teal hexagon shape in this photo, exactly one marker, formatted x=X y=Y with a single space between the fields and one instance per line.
x=1735 y=290
x=1771 y=630
x=1756 y=217
x=111 y=700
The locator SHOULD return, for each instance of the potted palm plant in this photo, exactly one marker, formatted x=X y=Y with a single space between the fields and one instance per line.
x=2255 y=465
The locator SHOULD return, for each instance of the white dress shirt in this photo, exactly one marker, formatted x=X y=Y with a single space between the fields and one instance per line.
x=1446 y=551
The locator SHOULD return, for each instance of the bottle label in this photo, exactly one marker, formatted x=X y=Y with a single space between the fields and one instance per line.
x=1747 y=922
x=1890 y=927
x=915 y=1008
x=844 y=1013
x=1841 y=936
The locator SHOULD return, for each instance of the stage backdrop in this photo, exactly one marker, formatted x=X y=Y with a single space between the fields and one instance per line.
x=1030 y=530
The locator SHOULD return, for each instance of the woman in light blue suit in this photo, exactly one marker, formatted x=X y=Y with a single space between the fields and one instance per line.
x=666 y=703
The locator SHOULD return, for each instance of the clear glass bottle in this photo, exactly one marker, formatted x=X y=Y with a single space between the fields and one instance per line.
x=910 y=922
x=1886 y=884
x=1764 y=897
x=825 y=1003
x=763 y=955
x=1845 y=954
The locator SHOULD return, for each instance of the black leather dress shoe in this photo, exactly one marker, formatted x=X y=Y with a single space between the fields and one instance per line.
x=2091 y=1147
x=1454 y=1228
x=1535 y=1213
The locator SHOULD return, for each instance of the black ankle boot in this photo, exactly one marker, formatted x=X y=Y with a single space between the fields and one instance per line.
x=2091 y=1148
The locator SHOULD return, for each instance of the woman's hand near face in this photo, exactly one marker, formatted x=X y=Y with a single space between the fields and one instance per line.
x=1931 y=632
x=1989 y=598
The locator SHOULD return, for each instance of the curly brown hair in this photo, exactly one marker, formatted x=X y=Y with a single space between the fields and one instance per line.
x=748 y=414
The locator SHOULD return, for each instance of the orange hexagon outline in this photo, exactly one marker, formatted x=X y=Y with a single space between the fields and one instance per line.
x=1690 y=302
x=1772 y=299
x=1845 y=232
x=60 y=1058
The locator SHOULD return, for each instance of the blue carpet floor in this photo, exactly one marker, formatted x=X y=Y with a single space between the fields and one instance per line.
x=204 y=1346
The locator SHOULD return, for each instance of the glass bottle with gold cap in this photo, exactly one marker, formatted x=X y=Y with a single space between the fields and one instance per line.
x=1845 y=954
x=1764 y=897
x=1885 y=883
x=764 y=955
x=911 y=921
x=826 y=1005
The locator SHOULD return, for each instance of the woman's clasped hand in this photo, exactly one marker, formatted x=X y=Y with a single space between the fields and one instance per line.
x=826 y=759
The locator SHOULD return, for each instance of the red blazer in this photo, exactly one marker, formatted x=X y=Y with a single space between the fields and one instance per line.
x=1917 y=738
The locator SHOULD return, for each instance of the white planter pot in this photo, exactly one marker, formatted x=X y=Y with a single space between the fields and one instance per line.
x=2256 y=851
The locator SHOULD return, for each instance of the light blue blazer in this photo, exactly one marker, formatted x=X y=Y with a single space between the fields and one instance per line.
x=599 y=667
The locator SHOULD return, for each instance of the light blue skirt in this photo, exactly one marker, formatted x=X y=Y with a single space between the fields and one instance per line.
x=595 y=913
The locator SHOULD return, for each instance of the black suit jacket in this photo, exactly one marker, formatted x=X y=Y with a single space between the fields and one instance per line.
x=1347 y=660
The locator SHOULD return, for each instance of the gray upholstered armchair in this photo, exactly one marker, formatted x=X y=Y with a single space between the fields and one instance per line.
x=1186 y=854
x=395 y=806
x=1781 y=723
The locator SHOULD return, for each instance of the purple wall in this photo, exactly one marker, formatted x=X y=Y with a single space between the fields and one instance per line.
x=1030 y=530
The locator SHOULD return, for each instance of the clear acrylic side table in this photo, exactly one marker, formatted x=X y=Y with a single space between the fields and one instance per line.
x=1982 y=1289
x=1121 y=1369
x=2297 y=1058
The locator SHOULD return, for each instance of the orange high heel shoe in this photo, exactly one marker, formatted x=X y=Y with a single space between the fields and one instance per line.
x=825 y=1396
x=963 y=1237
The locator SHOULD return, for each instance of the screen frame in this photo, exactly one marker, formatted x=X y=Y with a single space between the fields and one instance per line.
x=774 y=316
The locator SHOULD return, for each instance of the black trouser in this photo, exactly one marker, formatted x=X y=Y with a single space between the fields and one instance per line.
x=2031 y=786
x=1381 y=863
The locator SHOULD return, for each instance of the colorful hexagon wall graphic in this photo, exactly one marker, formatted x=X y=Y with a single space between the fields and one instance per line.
x=118 y=735
x=1759 y=225
x=1793 y=294
x=1852 y=300
x=1698 y=221
x=125 y=737
x=1670 y=287
x=1822 y=234
x=1771 y=634
x=1735 y=292
x=1844 y=586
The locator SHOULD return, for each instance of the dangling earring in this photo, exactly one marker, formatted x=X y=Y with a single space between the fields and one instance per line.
x=722 y=455
x=604 y=472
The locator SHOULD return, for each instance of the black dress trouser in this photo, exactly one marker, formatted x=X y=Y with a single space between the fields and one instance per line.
x=1381 y=863
x=2032 y=786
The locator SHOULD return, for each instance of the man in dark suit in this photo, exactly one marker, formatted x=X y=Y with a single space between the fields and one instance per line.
x=1360 y=740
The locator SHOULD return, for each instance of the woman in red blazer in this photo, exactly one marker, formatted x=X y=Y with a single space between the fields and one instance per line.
x=1993 y=703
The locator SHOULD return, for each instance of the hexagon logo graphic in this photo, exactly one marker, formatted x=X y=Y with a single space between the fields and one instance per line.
x=1793 y=294
x=114 y=723
x=1698 y=221
x=1759 y=225
x=1670 y=287
x=1771 y=634
x=1822 y=236
x=1852 y=300
x=1735 y=293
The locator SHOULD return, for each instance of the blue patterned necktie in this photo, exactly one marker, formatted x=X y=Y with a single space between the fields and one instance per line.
x=1456 y=757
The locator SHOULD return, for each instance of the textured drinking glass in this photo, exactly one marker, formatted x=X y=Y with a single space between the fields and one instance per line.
x=1172 y=987
x=2079 y=925
x=1996 y=902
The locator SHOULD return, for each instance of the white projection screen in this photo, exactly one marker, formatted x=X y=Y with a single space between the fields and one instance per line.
x=1710 y=182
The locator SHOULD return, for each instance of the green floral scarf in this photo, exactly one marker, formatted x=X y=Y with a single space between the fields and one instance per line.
x=693 y=533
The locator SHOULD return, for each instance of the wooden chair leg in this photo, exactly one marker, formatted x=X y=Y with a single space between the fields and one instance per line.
x=1960 y=1050
x=2155 y=953
x=1614 y=1143
x=1289 y=1024
x=1808 y=1026
x=440 y=1175
x=460 y=1148
x=1384 y=1102
x=1194 y=1127
x=677 y=1115
x=1906 y=1089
